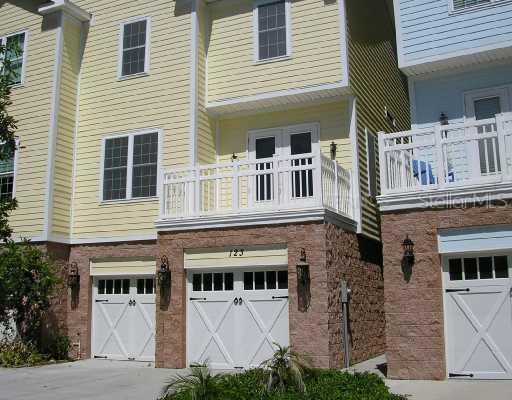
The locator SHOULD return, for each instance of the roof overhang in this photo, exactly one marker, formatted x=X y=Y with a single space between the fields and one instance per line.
x=67 y=7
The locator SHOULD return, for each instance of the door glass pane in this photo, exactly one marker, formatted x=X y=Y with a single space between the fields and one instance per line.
x=196 y=282
x=302 y=181
x=140 y=286
x=455 y=266
x=501 y=267
x=265 y=148
x=217 y=281
x=228 y=281
x=117 y=286
x=282 y=279
x=248 y=281
x=126 y=286
x=207 y=282
x=150 y=283
x=470 y=269
x=485 y=266
x=101 y=286
x=487 y=108
x=259 y=280
x=110 y=286
x=271 y=279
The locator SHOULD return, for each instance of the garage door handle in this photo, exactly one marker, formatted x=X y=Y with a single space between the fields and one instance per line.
x=457 y=290
x=197 y=298
x=279 y=297
x=101 y=301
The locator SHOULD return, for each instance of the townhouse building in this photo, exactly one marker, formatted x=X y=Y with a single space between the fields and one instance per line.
x=205 y=172
x=446 y=185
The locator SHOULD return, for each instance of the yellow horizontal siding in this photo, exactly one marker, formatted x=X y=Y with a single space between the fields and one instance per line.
x=31 y=107
x=107 y=106
x=315 y=59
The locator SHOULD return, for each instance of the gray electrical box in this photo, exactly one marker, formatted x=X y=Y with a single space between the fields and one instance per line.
x=345 y=292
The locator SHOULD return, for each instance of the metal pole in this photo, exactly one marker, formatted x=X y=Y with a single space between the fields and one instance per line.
x=345 y=298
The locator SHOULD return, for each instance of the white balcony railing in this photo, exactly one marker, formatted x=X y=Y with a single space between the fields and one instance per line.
x=280 y=183
x=447 y=156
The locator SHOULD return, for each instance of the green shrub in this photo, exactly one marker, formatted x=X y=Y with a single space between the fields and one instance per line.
x=16 y=353
x=55 y=346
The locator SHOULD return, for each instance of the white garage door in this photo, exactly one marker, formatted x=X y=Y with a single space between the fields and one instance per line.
x=123 y=326
x=236 y=317
x=478 y=307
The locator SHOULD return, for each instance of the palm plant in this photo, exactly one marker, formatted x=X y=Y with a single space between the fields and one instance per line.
x=200 y=384
x=286 y=369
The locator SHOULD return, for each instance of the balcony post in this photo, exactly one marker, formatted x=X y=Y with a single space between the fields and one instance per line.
x=197 y=190
x=336 y=186
x=317 y=172
x=440 y=169
x=235 y=185
x=506 y=172
x=383 y=167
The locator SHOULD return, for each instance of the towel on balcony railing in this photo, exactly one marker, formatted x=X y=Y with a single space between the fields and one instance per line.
x=422 y=171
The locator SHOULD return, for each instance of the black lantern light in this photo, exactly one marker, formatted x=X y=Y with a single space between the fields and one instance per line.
x=334 y=149
x=408 y=246
x=73 y=276
x=164 y=274
x=443 y=119
x=234 y=157
x=303 y=282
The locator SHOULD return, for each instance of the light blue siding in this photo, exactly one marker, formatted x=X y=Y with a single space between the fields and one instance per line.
x=428 y=28
x=475 y=239
x=446 y=93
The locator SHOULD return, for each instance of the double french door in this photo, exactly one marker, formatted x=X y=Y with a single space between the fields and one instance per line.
x=289 y=147
x=235 y=317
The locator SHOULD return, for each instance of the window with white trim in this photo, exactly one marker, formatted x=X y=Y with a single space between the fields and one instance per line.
x=135 y=48
x=461 y=4
x=15 y=52
x=7 y=178
x=130 y=166
x=272 y=24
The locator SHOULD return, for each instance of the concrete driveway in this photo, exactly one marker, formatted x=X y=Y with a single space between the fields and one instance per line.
x=88 y=379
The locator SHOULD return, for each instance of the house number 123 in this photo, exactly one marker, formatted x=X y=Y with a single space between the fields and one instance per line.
x=236 y=252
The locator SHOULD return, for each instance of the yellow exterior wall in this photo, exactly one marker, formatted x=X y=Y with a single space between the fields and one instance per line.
x=31 y=107
x=377 y=83
x=315 y=58
x=63 y=175
x=205 y=123
x=108 y=106
x=334 y=123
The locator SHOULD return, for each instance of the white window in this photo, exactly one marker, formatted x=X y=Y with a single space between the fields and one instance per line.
x=134 y=48
x=15 y=45
x=130 y=166
x=371 y=152
x=272 y=27
x=7 y=177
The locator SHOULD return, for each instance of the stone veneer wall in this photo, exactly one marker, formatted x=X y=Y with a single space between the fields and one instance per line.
x=331 y=253
x=414 y=305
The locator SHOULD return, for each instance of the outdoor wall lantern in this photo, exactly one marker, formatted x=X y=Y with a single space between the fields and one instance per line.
x=73 y=276
x=303 y=282
x=234 y=157
x=408 y=246
x=334 y=149
x=443 y=119
x=164 y=281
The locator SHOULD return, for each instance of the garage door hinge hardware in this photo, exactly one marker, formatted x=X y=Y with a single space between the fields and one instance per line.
x=457 y=290
x=238 y=367
x=131 y=358
x=105 y=357
x=198 y=298
x=101 y=301
x=279 y=297
x=451 y=375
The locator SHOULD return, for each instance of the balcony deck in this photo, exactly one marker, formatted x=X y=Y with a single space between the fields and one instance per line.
x=281 y=189
x=447 y=164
